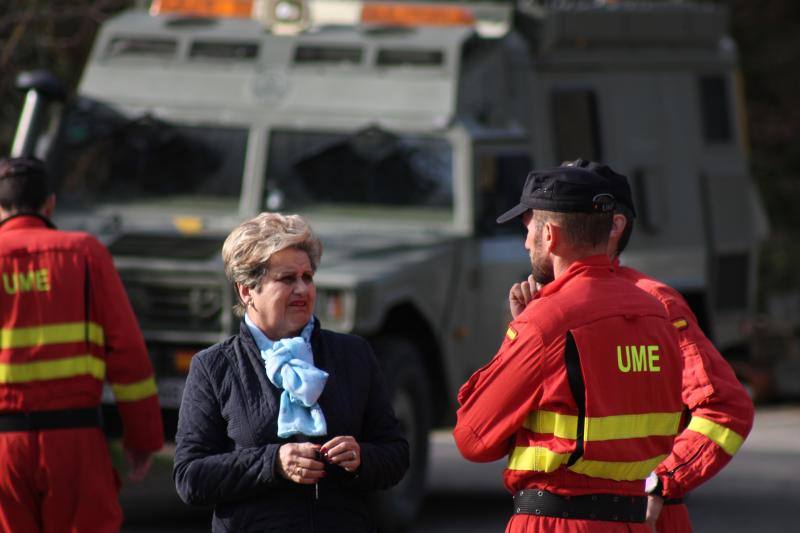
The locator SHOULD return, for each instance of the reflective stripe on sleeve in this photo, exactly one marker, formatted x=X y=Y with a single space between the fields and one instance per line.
x=131 y=392
x=617 y=470
x=51 y=334
x=536 y=458
x=726 y=438
x=67 y=367
x=558 y=424
x=604 y=427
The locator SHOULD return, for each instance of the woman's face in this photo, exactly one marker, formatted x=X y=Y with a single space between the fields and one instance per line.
x=283 y=304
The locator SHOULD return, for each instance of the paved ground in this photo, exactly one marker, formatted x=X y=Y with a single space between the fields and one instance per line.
x=758 y=491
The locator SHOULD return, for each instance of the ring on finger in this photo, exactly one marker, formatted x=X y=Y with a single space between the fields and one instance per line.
x=355 y=455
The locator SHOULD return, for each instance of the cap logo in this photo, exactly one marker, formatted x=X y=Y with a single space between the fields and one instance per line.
x=603 y=202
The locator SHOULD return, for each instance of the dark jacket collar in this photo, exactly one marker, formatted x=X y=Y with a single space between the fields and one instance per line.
x=25 y=221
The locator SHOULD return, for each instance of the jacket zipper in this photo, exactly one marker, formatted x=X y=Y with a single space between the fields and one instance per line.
x=671 y=473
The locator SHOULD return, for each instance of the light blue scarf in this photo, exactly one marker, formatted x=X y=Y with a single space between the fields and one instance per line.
x=290 y=366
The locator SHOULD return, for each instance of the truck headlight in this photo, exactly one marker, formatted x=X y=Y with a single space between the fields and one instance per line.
x=335 y=308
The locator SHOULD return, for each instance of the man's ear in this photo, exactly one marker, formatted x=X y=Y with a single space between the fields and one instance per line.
x=618 y=223
x=48 y=207
x=551 y=236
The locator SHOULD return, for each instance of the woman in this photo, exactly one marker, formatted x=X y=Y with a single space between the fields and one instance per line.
x=285 y=426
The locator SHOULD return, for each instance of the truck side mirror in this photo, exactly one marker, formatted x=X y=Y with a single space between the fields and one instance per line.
x=40 y=87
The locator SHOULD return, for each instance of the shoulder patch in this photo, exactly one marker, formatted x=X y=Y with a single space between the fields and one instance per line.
x=680 y=324
x=511 y=333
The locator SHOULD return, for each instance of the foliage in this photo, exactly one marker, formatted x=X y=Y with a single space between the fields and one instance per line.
x=44 y=34
x=769 y=44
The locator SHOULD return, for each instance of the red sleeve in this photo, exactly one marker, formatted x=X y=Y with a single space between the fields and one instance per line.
x=721 y=411
x=498 y=397
x=128 y=367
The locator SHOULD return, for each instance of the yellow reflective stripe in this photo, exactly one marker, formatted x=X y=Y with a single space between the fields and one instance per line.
x=726 y=438
x=51 y=334
x=541 y=459
x=67 y=367
x=680 y=324
x=617 y=470
x=560 y=425
x=131 y=392
x=631 y=426
x=604 y=427
x=536 y=458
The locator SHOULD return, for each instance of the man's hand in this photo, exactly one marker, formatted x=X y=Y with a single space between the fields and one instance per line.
x=654 y=506
x=520 y=295
x=139 y=464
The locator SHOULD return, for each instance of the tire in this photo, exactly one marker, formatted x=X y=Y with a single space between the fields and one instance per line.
x=397 y=508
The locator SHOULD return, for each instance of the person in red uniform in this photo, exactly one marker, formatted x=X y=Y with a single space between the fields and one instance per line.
x=584 y=394
x=721 y=410
x=67 y=326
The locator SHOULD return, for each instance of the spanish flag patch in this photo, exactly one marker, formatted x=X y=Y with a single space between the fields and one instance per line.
x=680 y=324
x=511 y=333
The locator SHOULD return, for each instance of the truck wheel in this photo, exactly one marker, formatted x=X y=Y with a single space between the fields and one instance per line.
x=397 y=508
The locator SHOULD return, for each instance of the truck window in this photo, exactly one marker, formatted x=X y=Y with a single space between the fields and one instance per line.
x=102 y=156
x=576 y=125
x=367 y=169
x=731 y=281
x=223 y=51
x=500 y=180
x=141 y=47
x=714 y=109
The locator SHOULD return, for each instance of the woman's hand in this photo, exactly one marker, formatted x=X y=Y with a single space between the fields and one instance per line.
x=298 y=462
x=343 y=451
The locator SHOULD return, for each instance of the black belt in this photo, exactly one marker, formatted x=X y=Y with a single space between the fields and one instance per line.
x=609 y=507
x=60 y=419
x=673 y=501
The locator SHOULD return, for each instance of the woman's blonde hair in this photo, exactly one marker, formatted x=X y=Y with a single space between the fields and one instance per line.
x=249 y=247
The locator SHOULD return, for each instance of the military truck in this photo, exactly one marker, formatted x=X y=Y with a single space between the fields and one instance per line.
x=401 y=131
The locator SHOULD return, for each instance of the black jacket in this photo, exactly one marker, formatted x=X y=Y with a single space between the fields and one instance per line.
x=227 y=441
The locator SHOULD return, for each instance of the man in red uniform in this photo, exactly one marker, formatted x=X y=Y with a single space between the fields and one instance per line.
x=66 y=326
x=721 y=411
x=584 y=393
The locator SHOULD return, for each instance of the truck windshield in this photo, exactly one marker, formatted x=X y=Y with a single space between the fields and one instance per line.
x=372 y=172
x=104 y=158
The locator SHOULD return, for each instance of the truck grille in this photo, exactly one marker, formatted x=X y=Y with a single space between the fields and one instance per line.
x=178 y=307
x=169 y=247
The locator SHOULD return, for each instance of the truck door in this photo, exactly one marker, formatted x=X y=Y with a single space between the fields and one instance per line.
x=637 y=121
x=500 y=172
x=733 y=218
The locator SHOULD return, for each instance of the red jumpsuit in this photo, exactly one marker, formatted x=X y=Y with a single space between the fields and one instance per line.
x=521 y=404
x=721 y=410
x=67 y=326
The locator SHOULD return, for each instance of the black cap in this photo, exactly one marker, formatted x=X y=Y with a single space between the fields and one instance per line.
x=621 y=189
x=564 y=189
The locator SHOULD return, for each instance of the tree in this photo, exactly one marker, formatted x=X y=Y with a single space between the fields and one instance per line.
x=45 y=34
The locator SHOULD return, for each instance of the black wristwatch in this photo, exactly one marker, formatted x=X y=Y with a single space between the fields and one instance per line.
x=653 y=485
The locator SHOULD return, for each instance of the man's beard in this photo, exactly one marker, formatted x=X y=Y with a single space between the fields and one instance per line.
x=541 y=264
